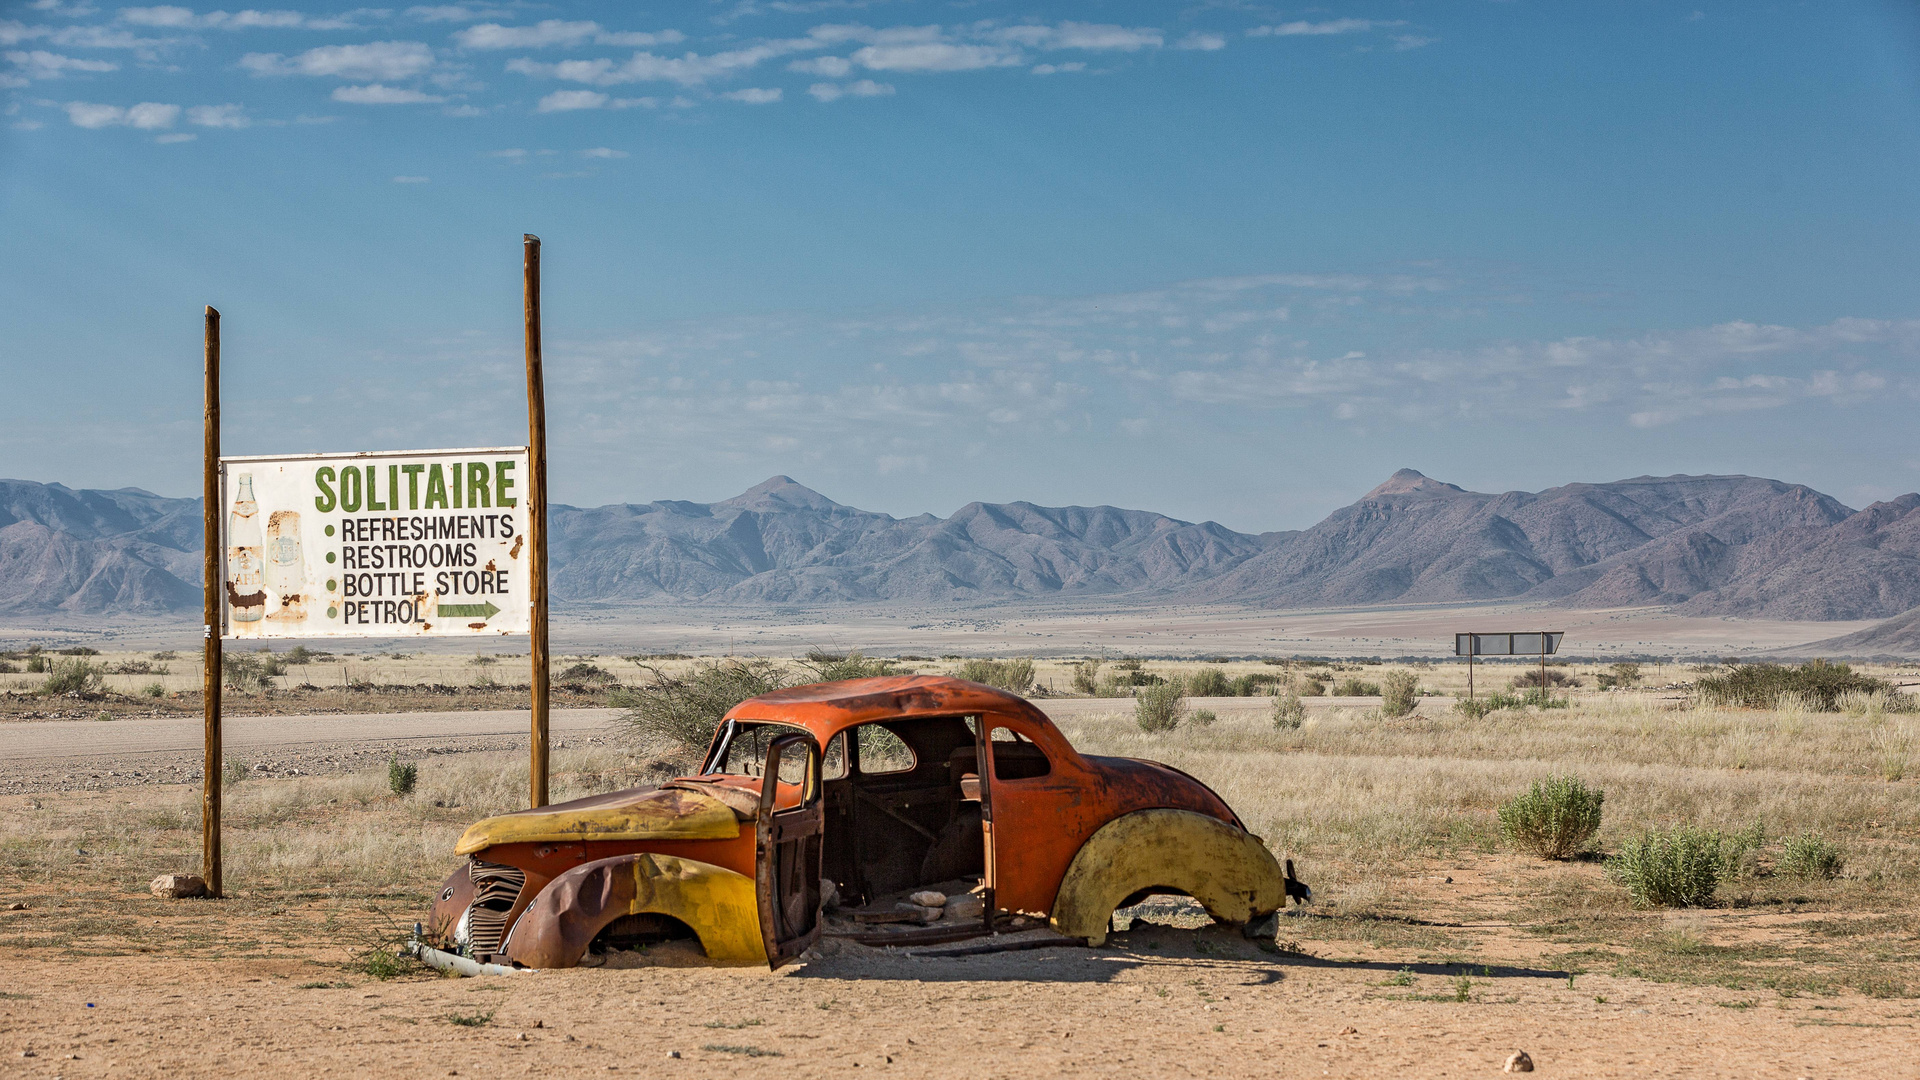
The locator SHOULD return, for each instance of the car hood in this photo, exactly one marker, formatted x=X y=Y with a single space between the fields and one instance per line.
x=671 y=812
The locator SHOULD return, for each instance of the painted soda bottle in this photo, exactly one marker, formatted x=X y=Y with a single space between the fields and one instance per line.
x=246 y=591
x=286 y=566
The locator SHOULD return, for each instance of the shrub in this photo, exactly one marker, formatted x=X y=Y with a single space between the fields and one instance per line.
x=1209 y=682
x=233 y=770
x=1160 y=708
x=1203 y=717
x=1312 y=687
x=482 y=660
x=1555 y=678
x=587 y=673
x=1288 y=713
x=154 y=690
x=684 y=710
x=1399 y=693
x=248 y=672
x=1811 y=856
x=1539 y=699
x=79 y=650
x=1013 y=676
x=72 y=677
x=166 y=655
x=1255 y=684
x=1678 y=868
x=300 y=654
x=1351 y=687
x=401 y=776
x=1473 y=708
x=1554 y=818
x=1086 y=677
x=1128 y=663
x=1759 y=686
x=851 y=666
x=1623 y=674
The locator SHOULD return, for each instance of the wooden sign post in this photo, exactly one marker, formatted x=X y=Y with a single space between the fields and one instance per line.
x=210 y=675
x=536 y=519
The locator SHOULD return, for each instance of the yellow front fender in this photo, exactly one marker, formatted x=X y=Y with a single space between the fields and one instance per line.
x=1227 y=869
x=718 y=904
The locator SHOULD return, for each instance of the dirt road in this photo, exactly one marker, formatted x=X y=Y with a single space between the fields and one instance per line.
x=52 y=755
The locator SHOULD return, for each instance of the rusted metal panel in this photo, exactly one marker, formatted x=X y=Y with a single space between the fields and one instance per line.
x=388 y=544
x=1229 y=871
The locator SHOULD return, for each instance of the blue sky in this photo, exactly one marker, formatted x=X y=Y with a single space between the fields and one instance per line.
x=1228 y=261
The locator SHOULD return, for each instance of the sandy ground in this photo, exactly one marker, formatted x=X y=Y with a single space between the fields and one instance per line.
x=1081 y=628
x=1156 y=1001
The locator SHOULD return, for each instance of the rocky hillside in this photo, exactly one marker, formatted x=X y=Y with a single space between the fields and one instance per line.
x=1732 y=545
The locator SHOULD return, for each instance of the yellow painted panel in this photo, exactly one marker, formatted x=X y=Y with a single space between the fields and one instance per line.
x=1228 y=870
x=719 y=904
x=665 y=814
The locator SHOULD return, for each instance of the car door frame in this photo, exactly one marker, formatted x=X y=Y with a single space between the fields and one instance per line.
x=787 y=855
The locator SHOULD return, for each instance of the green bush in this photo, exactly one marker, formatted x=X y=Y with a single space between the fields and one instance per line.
x=1399 y=693
x=1351 y=687
x=1013 y=676
x=1473 y=708
x=1209 y=682
x=1312 y=687
x=36 y=664
x=401 y=776
x=1256 y=684
x=72 y=677
x=1161 y=708
x=1555 y=678
x=233 y=770
x=1811 y=856
x=1760 y=686
x=248 y=672
x=1554 y=818
x=1288 y=713
x=1678 y=868
x=154 y=690
x=586 y=673
x=851 y=666
x=1086 y=677
x=684 y=710
x=1621 y=675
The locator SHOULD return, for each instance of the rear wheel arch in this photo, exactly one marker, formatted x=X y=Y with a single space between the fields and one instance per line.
x=1228 y=870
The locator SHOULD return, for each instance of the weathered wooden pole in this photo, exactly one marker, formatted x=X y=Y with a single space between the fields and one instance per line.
x=536 y=517
x=210 y=675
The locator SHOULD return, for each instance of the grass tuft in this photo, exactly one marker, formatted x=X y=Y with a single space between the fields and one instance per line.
x=401 y=776
x=1810 y=856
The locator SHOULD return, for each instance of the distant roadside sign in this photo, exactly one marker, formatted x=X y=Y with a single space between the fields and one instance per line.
x=387 y=544
x=1530 y=644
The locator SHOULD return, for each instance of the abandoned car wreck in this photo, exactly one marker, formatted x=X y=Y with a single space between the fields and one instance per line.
x=895 y=810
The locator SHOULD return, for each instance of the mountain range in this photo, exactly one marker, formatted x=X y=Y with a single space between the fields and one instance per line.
x=1704 y=545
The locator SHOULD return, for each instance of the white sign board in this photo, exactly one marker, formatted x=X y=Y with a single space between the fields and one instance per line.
x=390 y=544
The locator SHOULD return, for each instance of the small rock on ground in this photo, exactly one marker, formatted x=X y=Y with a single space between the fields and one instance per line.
x=178 y=886
x=1518 y=1061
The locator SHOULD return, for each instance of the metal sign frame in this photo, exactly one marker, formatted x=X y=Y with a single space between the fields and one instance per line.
x=1543 y=642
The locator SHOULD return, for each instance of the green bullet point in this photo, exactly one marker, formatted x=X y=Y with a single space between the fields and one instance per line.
x=329 y=556
x=333 y=613
x=332 y=584
x=329 y=530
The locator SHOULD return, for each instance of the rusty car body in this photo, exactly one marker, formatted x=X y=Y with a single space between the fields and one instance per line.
x=868 y=789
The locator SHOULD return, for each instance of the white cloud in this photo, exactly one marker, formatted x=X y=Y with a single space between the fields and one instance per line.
x=374 y=60
x=410 y=180
x=604 y=152
x=176 y=137
x=639 y=39
x=861 y=88
x=1330 y=26
x=548 y=32
x=754 y=95
x=147 y=115
x=832 y=67
x=40 y=64
x=1075 y=35
x=1406 y=42
x=173 y=17
x=218 y=116
x=935 y=56
x=452 y=13
x=379 y=94
x=515 y=155
x=1059 y=69
x=569 y=100
x=1203 y=40
x=691 y=69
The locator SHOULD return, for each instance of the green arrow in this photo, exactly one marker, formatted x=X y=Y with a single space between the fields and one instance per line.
x=468 y=611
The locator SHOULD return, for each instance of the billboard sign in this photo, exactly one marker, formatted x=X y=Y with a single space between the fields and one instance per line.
x=1534 y=644
x=387 y=544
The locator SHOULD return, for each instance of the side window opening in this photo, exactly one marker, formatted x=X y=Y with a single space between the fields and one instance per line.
x=881 y=751
x=833 y=764
x=1015 y=757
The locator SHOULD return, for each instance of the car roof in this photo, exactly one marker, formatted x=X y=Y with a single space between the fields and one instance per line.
x=826 y=708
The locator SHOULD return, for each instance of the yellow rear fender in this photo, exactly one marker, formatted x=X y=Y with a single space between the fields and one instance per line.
x=1227 y=869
